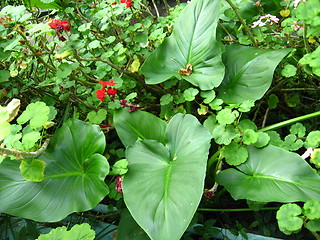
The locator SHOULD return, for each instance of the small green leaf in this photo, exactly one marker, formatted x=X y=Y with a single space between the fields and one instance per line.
x=77 y=232
x=29 y=140
x=120 y=167
x=273 y=101
x=5 y=128
x=208 y=96
x=246 y=106
x=224 y=134
x=313 y=139
x=275 y=139
x=190 y=94
x=216 y=104
x=203 y=110
x=249 y=137
x=37 y=113
x=315 y=157
x=227 y=116
x=166 y=99
x=32 y=169
x=131 y=96
x=291 y=142
x=235 y=154
x=97 y=117
x=65 y=69
x=247 y=124
x=311 y=209
x=84 y=27
x=289 y=71
x=94 y=44
x=288 y=219
x=314 y=225
x=263 y=140
x=298 y=129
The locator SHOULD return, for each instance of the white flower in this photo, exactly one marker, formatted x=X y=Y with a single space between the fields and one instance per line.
x=264 y=20
x=296 y=3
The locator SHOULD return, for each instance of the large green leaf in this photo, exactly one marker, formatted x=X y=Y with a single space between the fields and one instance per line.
x=73 y=177
x=249 y=72
x=164 y=183
x=138 y=125
x=272 y=174
x=193 y=41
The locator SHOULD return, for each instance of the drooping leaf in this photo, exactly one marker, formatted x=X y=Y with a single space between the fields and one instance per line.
x=138 y=125
x=271 y=174
x=73 y=177
x=166 y=181
x=192 y=51
x=249 y=72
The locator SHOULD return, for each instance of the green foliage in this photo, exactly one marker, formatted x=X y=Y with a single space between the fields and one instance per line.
x=37 y=113
x=315 y=157
x=97 y=117
x=120 y=167
x=265 y=177
x=72 y=161
x=191 y=53
x=77 y=232
x=235 y=154
x=288 y=218
x=249 y=72
x=311 y=60
x=158 y=172
x=311 y=209
x=32 y=170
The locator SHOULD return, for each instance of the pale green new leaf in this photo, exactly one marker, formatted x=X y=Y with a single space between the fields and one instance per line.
x=193 y=42
x=37 y=113
x=167 y=181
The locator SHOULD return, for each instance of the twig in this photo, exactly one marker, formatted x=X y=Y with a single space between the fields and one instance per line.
x=22 y=154
x=156 y=8
x=246 y=28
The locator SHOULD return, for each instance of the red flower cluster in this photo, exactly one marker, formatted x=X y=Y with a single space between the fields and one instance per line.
x=110 y=90
x=119 y=184
x=60 y=27
x=127 y=2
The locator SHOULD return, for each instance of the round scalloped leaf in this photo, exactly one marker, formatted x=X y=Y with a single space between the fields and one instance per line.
x=311 y=209
x=288 y=217
x=313 y=139
x=298 y=129
x=235 y=154
x=313 y=225
x=73 y=177
x=77 y=232
x=315 y=157
x=249 y=137
x=227 y=116
x=32 y=169
x=164 y=183
x=263 y=140
x=37 y=113
x=5 y=129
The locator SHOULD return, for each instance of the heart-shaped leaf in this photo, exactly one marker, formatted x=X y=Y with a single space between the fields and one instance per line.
x=271 y=174
x=73 y=176
x=191 y=52
x=249 y=72
x=138 y=125
x=164 y=183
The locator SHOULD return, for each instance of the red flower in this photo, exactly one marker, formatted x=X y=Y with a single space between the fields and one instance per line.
x=60 y=27
x=119 y=184
x=100 y=94
x=111 y=91
x=107 y=83
x=127 y=2
x=65 y=25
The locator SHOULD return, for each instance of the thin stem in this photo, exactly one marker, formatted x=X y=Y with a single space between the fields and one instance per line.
x=213 y=158
x=246 y=28
x=305 y=41
x=166 y=6
x=290 y=121
x=156 y=8
x=235 y=210
x=316 y=235
x=188 y=106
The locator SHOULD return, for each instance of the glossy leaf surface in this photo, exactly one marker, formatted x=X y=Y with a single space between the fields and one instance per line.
x=193 y=42
x=271 y=174
x=73 y=176
x=164 y=183
x=138 y=125
x=249 y=72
